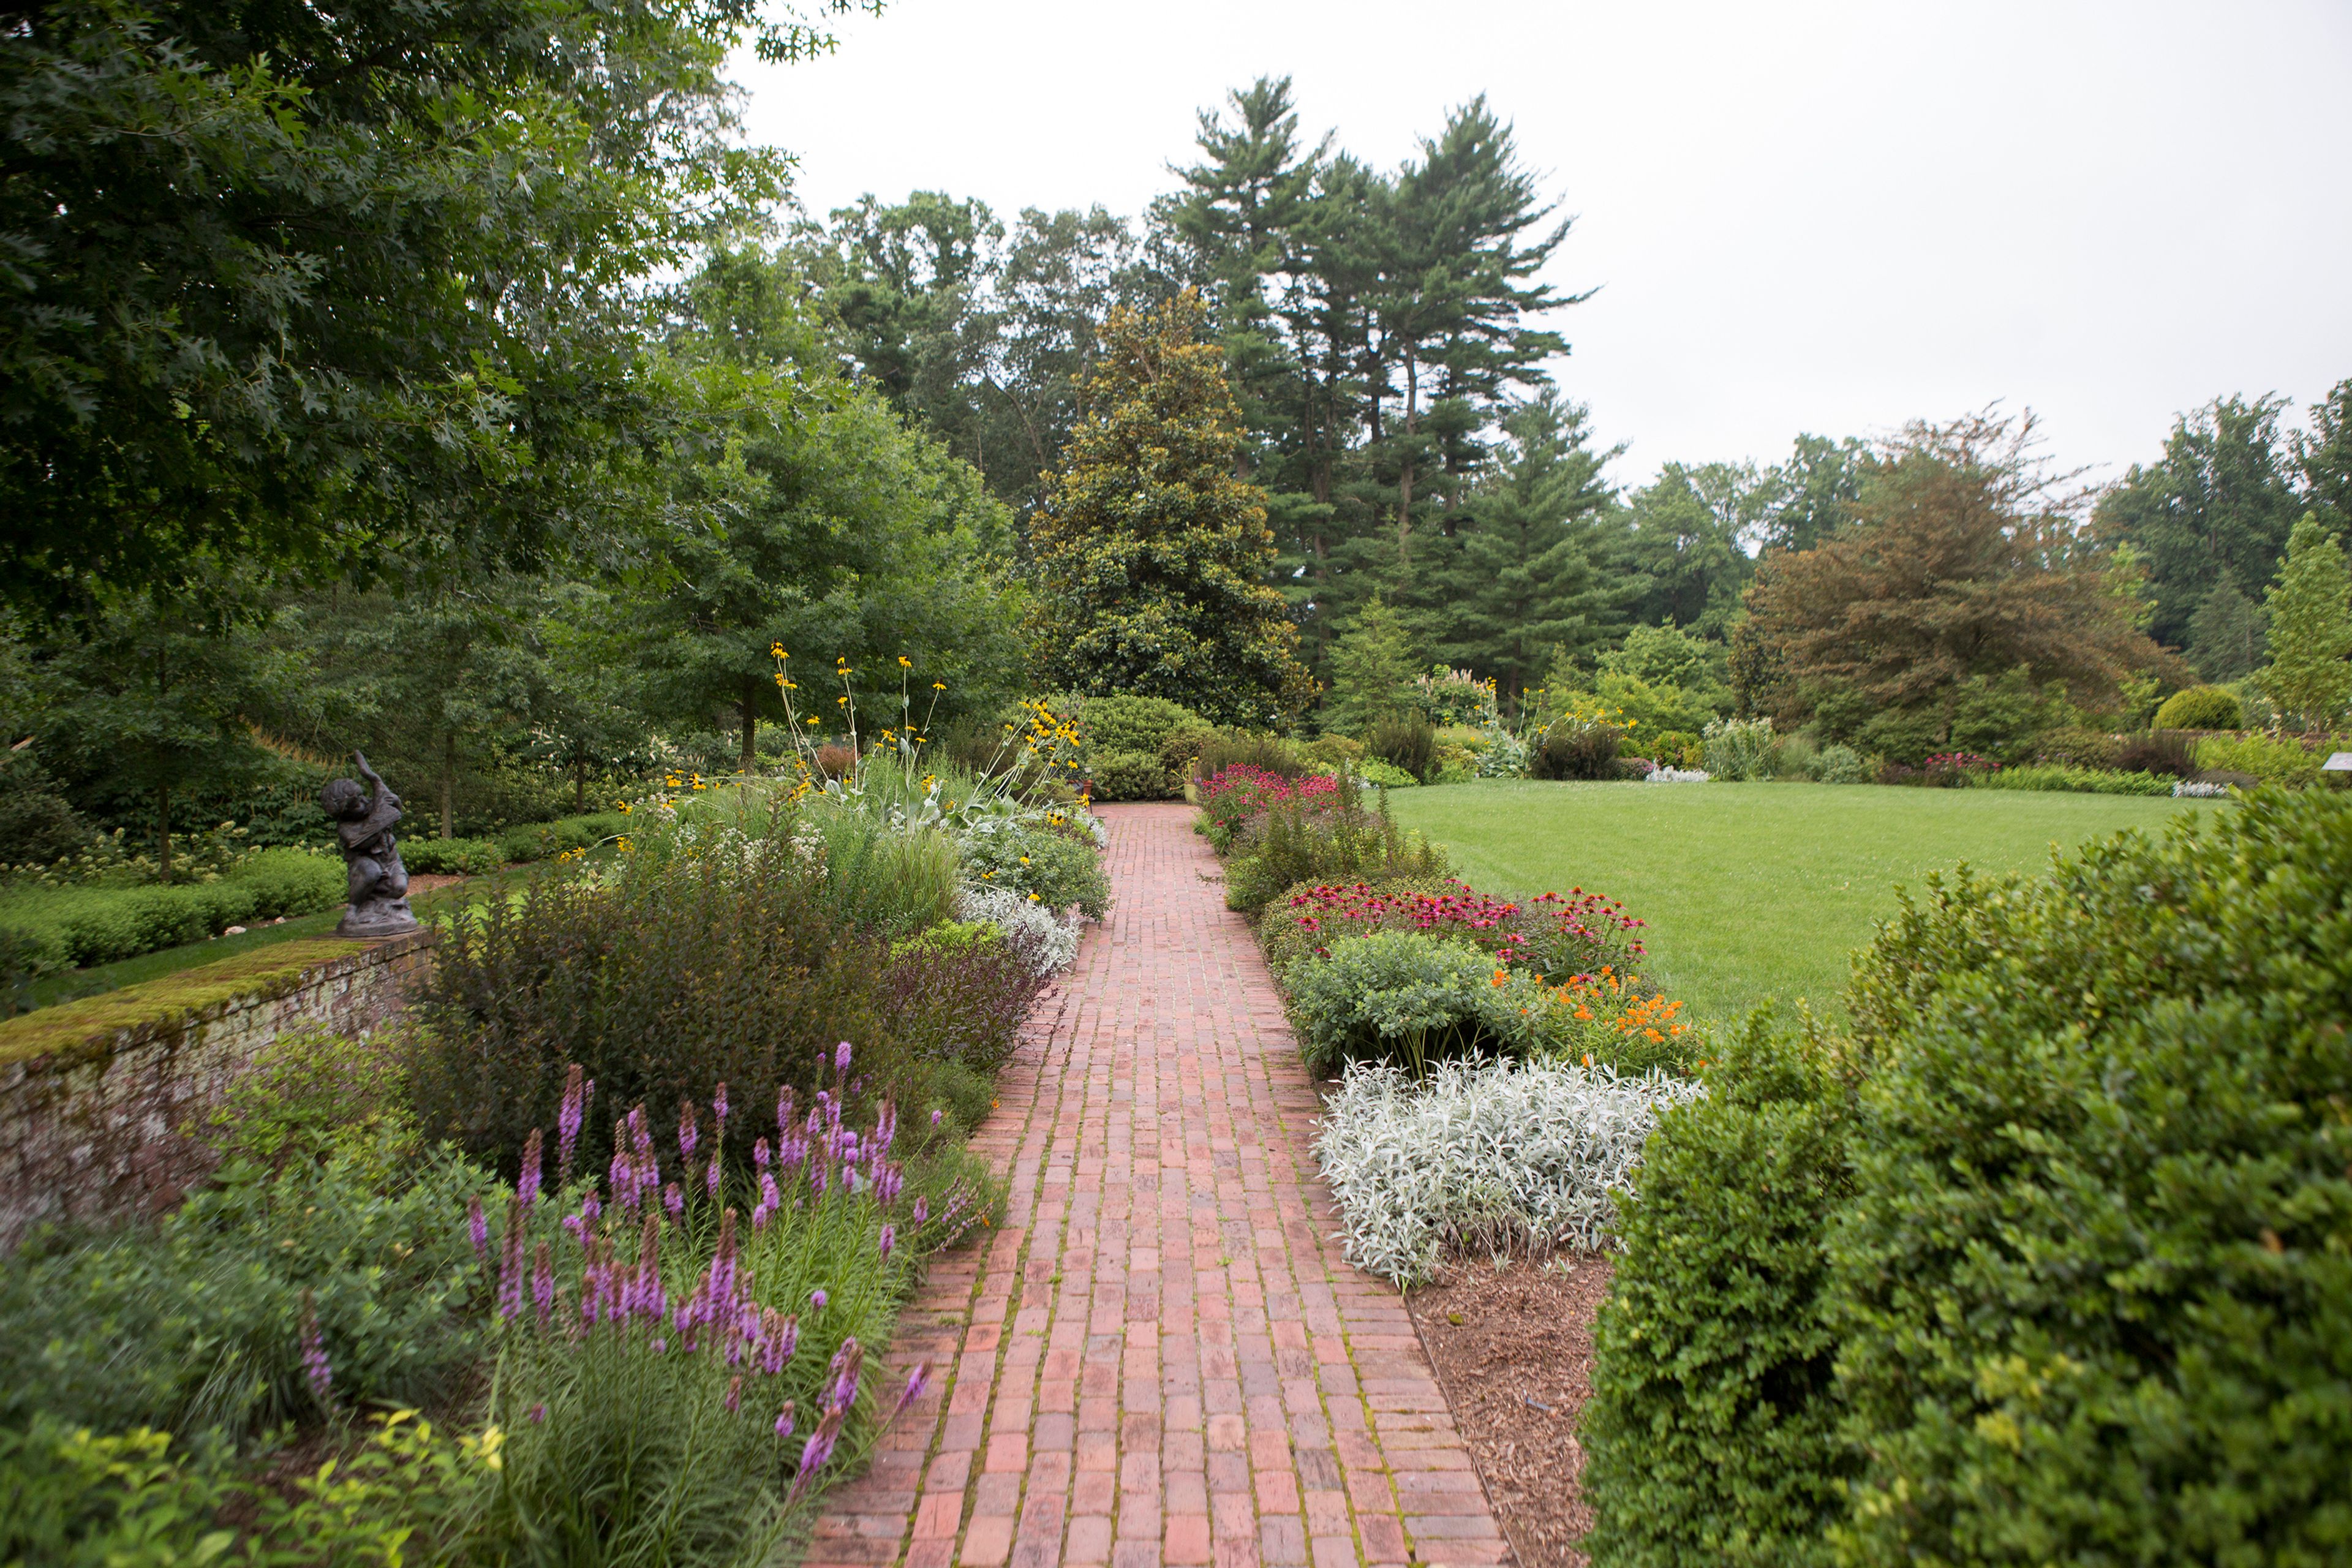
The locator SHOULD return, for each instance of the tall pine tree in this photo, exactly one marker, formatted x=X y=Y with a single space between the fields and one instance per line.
x=1518 y=577
x=1151 y=554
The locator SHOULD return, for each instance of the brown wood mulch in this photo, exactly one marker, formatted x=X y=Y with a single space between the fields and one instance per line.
x=1513 y=1349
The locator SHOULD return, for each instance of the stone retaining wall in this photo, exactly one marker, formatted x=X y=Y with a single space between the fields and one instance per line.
x=98 y=1128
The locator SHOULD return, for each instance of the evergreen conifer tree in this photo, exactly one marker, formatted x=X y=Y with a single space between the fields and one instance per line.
x=1520 y=576
x=1151 y=554
x=1372 y=667
x=2311 y=627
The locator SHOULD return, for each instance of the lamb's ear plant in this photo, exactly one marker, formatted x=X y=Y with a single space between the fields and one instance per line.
x=1483 y=1158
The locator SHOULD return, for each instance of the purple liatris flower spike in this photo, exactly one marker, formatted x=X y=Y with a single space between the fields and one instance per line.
x=543 y=1283
x=315 y=1370
x=914 y=1389
x=886 y=1241
x=539 y=1414
x=784 y=1420
x=816 y=1301
x=848 y=1363
x=734 y=1394
x=710 y=1179
x=935 y=1117
x=534 y=1161
x=922 y=1210
x=479 y=1227
x=689 y=1129
x=760 y=1155
x=718 y=1109
x=674 y=1201
x=660 y=1346
x=841 y=1057
x=567 y=1123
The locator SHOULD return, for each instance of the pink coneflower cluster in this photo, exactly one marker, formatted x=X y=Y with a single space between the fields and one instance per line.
x=1514 y=929
x=1242 y=790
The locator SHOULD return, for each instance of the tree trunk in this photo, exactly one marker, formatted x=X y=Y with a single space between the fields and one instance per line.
x=579 y=788
x=1404 y=478
x=449 y=783
x=750 y=721
x=164 y=830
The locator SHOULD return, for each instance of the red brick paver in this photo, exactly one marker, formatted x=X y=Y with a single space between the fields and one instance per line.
x=1162 y=1357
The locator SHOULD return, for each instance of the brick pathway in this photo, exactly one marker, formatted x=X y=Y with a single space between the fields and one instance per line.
x=1162 y=1357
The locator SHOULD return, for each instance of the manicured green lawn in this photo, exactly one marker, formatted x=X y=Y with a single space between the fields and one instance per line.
x=1753 y=890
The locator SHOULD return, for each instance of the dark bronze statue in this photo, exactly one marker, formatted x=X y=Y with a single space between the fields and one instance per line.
x=379 y=881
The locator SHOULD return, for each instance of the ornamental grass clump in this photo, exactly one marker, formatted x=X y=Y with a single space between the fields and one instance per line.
x=1483 y=1159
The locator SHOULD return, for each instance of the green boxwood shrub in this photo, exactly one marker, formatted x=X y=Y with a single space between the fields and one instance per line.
x=451 y=857
x=2202 y=708
x=1712 y=1432
x=1387 y=775
x=2072 y=747
x=2088 y=1295
x=1131 y=723
x=1133 y=775
x=293 y=882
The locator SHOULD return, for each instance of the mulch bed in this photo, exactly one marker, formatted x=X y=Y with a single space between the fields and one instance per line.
x=1513 y=1349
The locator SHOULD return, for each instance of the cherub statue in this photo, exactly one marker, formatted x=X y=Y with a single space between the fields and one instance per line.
x=378 y=882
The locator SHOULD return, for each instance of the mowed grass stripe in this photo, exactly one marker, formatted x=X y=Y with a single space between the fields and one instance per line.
x=1754 y=892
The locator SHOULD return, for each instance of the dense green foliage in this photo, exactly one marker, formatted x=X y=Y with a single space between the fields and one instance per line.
x=2310 y=673
x=1711 y=1435
x=1151 y=556
x=2073 y=1287
x=83 y=925
x=2202 y=708
x=309 y=285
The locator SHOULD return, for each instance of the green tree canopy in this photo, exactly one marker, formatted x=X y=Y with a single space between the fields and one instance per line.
x=325 y=284
x=2217 y=505
x=836 y=531
x=1519 y=575
x=1151 y=554
x=1964 y=563
x=2310 y=673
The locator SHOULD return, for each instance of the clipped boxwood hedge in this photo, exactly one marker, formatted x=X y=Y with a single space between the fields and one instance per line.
x=1712 y=1433
x=56 y=929
x=2202 y=708
x=451 y=857
x=2088 y=1296
x=1133 y=775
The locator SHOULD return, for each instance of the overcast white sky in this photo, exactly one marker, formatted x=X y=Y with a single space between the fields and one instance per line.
x=1823 y=217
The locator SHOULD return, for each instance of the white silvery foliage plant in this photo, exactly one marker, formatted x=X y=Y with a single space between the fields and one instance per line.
x=1676 y=775
x=1049 y=940
x=1484 y=1156
x=1504 y=756
x=2199 y=789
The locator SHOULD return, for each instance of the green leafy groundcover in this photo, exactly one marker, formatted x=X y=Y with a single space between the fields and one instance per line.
x=2050 y=1261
